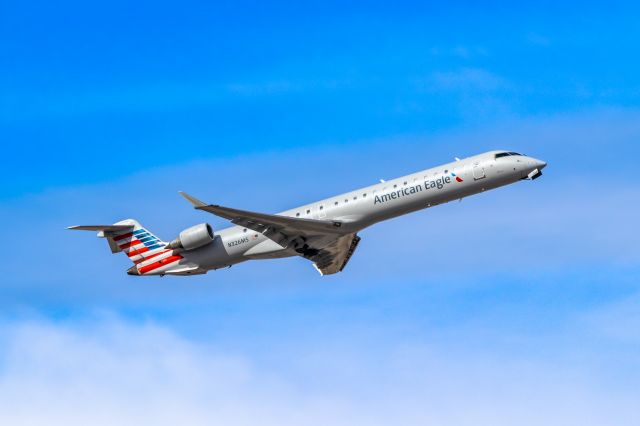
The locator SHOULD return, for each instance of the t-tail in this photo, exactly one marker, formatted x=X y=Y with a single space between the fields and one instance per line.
x=149 y=254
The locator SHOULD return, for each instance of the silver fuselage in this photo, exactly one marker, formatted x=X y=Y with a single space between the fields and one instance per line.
x=364 y=207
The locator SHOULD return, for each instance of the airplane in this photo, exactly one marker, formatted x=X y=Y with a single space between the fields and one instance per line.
x=324 y=232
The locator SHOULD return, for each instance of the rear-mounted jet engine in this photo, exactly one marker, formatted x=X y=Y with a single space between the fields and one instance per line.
x=193 y=238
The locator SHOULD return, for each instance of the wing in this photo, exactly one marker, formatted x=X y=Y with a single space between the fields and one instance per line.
x=334 y=257
x=281 y=229
x=324 y=242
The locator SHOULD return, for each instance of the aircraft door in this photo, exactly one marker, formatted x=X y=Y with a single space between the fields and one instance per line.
x=478 y=172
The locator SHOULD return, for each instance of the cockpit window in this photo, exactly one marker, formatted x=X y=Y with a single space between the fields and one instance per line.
x=507 y=154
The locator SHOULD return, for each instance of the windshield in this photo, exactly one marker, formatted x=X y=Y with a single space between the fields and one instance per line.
x=506 y=154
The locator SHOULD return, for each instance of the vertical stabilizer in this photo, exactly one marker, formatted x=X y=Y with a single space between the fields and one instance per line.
x=147 y=252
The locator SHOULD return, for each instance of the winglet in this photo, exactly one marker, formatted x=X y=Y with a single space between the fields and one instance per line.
x=194 y=201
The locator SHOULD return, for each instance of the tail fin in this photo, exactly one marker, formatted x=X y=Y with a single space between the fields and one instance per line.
x=130 y=237
x=136 y=242
x=146 y=251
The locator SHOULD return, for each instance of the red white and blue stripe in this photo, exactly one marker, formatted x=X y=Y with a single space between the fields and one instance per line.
x=146 y=250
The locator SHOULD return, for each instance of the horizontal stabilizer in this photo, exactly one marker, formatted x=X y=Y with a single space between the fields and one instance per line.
x=104 y=228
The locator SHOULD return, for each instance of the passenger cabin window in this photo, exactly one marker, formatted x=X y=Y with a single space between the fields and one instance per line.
x=298 y=214
x=355 y=198
x=336 y=203
x=321 y=207
x=308 y=211
x=364 y=195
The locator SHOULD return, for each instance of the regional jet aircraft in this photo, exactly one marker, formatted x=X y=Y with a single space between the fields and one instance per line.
x=324 y=232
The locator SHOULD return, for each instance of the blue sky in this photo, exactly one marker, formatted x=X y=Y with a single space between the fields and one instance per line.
x=519 y=306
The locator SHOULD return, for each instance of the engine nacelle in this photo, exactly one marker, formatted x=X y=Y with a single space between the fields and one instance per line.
x=193 y=238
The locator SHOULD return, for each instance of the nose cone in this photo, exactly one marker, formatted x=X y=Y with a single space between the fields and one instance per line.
x=538 y=164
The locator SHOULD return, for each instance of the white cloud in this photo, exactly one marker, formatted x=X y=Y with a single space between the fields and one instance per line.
x=110 y=371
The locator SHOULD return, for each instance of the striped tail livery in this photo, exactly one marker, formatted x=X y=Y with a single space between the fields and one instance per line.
x=149 y=254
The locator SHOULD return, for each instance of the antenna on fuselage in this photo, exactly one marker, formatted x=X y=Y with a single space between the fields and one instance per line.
x=382 y=181
x=456 y=158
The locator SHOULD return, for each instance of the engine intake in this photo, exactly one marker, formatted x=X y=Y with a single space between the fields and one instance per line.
x=193 y=238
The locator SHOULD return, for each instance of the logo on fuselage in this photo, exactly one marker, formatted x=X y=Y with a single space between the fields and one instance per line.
x=438 y=183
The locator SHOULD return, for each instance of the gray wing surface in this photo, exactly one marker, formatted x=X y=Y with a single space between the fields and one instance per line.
x=333 y=257
x=321 y=241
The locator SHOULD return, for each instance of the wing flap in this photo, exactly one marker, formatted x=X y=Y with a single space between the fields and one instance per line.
x=333 y=258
